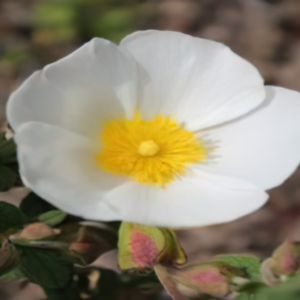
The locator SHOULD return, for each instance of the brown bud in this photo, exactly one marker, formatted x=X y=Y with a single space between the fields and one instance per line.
x=90 y=243
x=82 y=248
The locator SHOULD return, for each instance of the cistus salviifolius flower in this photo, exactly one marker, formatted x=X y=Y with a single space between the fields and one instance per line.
x=164 y=129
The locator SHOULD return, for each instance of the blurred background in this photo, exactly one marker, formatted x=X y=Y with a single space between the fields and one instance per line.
x=266 y=32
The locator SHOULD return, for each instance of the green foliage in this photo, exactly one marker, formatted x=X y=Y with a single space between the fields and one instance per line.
x=8 y=178
x=114 y=24
x=11 y=217
x=16 y=56
x=108 y=287
x=33 y=206
x=48 y=268
x=54 y=22
x=7 y=150
x=249 y=264
x=52 y=217
x=12 y=275
x=286 y=291
x=54 y=14
x=8 y=163
x=80 y=20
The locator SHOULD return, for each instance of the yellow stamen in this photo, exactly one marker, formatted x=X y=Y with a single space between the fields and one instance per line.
x=153 y=151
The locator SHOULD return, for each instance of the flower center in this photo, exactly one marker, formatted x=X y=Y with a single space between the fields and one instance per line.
x=148 y=148
x=154 y=151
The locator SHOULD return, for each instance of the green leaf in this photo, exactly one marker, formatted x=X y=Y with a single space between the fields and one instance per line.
x=48 y=268
x=248 y=296
x=114 y=23
x=108 y=279
x=8 y=163
x=7 y=150
x=252 y=291
x=52 y=217
x=106 y=288
x=33 y=206
x=250 y=264
x=11 y=217
x=12 y=275
x=286 y=291
x=8 y=178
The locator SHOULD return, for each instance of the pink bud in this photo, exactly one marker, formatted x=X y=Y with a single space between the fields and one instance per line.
x=285 y=259
x=144 y=250
x=207 y=279
x=37 y=231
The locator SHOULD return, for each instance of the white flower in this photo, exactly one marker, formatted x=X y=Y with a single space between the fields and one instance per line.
x=165 y=129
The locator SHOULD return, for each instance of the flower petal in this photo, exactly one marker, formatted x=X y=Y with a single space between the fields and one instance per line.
x=199 y=82
x=196 y=200
x=263 y=147
x=96 y=82
x=59 y=166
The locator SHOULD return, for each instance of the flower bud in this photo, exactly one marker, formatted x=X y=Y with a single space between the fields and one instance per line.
x=285 y=259
x=206 y=278
x=8 y=256
x=142 y=247
x=89 y=243
x=37 y=231
x=81 y=247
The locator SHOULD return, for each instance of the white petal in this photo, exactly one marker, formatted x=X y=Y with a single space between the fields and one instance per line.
x=263 y=147
x=197 y=81
x=96 y=82
x=60 y=167
x=197 y=200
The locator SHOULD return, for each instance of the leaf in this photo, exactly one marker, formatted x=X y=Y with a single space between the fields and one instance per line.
x=286 y=291
x=8 y=163
x=108 y=285
x=8 y=178
x=12 y=275
x=251 y=291
x=48 y=268
x=33 y=206
x=248 y=296
x=7 y=150
x=52 y=217
x=250 y=264
x=11 y=217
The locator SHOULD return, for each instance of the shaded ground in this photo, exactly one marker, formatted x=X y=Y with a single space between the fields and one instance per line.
x=265 y=32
